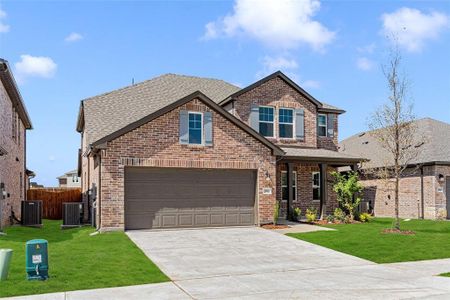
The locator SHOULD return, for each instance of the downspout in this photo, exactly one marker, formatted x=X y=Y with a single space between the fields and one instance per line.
x=99 y=192
x=422 y=200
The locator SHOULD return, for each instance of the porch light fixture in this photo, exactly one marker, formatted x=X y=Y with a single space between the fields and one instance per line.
x=441 y=178
x=267 y=176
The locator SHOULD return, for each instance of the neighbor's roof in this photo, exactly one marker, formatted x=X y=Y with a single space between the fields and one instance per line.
x=436 y=148
x=11 y=88
x=67 y=174
x=312 y=154
x=105 y=114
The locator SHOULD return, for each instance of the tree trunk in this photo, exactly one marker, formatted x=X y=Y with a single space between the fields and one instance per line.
x=397 y=218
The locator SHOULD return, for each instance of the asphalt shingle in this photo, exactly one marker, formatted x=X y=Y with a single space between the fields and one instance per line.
x=436 y=148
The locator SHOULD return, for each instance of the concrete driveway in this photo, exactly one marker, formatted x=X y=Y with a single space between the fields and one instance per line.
x=254 y=263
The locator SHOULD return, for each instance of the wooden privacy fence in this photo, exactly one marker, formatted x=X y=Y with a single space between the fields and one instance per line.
x=53 y=198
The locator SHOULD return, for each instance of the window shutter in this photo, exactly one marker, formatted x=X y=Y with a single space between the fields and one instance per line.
x=184 y=127
x=299 y=124
x=330 y=125
x=254 y=117
x=207 y=127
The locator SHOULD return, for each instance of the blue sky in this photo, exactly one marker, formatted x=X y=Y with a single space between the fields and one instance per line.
x=62 y=52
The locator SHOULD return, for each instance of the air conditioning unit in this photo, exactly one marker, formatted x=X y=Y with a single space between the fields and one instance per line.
x=72 y=214
x=32 y=213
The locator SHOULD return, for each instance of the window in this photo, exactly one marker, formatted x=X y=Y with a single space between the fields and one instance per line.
x=284 y=185
x=286 y=123
x=266 y=121
x=316 y=185
x=322 y=125
x=14 y=124
x=195 y=128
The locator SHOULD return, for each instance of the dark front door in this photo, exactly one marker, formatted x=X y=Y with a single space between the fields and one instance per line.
x=176 y=198
x=447 y=195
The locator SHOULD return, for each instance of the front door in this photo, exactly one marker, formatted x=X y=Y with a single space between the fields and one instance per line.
x=447 y=195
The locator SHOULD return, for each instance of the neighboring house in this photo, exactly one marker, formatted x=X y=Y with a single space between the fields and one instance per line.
x=14 y=121
x=69 y=180
x=182 y=151
x=425 y=188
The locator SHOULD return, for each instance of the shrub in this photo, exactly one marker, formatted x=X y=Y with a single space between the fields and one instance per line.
x=365 y=217
x=331 y=218
x=347 y=188
x=311 y=214
x=297 y=213
x=276 y=212
x=339 y=215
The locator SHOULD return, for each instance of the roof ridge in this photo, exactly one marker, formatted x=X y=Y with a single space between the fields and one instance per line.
x=154 y=78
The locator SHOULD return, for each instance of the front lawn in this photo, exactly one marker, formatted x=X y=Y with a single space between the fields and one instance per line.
x=365 y=240
x=77 y=260
x=446 y=274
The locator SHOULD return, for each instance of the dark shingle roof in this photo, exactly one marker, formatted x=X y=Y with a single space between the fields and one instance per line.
x=109 y=112
x=434 y=133
x=321 y=154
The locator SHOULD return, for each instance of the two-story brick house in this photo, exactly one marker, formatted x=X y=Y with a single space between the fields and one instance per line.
x=181 y=151
x=14 y=121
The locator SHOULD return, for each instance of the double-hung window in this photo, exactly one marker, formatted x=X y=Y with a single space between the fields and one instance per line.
x=316 y=185
x=322 y=125
x=195 y=128
x=266 y=114
x=286 y=123
x=284 y=185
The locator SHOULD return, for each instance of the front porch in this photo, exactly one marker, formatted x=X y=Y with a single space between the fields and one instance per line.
x=304 y=180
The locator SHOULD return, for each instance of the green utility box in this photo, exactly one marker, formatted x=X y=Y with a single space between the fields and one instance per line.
x=5 y=260
x=37 y=259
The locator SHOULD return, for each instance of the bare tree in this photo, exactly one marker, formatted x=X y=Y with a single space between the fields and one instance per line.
x=394 y=127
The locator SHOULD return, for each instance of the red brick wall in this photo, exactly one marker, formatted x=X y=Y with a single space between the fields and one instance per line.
x=304 y=198
x=157 y=144
x=381 y=193
x=12 y=165
x=277 y=93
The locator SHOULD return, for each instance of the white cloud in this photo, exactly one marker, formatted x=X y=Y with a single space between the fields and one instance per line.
x=35 y=66
x=284 y=24
x=3 y=27
x=51 y=158
x=73 y=37
x=311 y=84
x=365 y=64
x=367 y=48
x=412 y=28
x=279 y=63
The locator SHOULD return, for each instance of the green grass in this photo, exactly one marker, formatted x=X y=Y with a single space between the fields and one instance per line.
x=446 y=274
x=77 y=260
x=365 y=240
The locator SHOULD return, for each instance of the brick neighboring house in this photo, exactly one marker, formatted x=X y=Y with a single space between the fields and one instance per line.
x=425 y=188
x=14 y=121
x=182 y=151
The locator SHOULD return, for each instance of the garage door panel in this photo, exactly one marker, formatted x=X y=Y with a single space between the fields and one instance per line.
x=170 y=198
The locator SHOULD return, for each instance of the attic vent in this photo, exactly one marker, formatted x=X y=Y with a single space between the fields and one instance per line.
x=361 y=134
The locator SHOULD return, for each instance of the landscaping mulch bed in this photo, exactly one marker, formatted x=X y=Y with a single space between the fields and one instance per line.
x=397 y=231
x=273 y=226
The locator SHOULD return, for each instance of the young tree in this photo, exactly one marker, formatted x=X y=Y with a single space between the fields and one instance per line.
x=347 y=188
x=394 y=128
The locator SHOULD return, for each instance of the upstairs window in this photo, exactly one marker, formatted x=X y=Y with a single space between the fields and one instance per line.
x=195 y=128
x=266 y=121
x=322 y=125
x=316 y=185
x=286 y=123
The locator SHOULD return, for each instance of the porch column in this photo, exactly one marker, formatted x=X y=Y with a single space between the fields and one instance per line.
x=323 y=189
x=290 y=176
